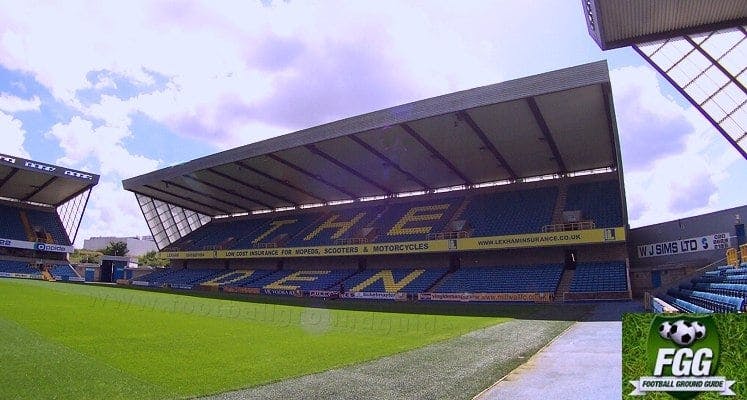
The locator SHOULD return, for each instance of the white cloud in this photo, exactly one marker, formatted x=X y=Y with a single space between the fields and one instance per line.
x=83 y=143
x=674 y=161
x=231 y=73
x=13 y=136
x=100 y=149
x=12 y=104
x=232 y=66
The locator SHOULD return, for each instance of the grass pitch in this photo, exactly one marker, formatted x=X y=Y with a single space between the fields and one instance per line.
x=78 y=341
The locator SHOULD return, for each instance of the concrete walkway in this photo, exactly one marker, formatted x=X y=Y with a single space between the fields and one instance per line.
x=584 y=362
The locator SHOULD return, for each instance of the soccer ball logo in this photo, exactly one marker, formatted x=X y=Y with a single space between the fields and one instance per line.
x=681 y=332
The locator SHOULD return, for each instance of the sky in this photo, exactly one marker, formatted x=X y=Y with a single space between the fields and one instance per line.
x=124 y=88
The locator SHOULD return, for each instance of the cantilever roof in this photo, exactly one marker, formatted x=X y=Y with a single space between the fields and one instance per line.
x=42 y=183
x=615 y=23
x=553 y=123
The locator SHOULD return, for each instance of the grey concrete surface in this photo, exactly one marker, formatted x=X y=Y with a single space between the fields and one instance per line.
x=585 y=362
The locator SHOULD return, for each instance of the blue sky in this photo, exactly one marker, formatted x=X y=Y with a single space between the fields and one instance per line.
x=123 y=88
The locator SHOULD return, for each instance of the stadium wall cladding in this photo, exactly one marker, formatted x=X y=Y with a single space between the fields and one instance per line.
x=694 y=241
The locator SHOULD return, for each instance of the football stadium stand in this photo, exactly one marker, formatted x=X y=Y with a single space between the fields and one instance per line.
x=337 y=226
x=415 y=220
x=62 y=271
x=395 y=280
x=504 y=279
x=598 y=202
x=243 y=279
x=684 y=305
x=721 y=290
x=48 y=225
x=511 y=212
x=486 y=214
x=275 y=232
x=18 y=267
x=11 y=226
x=600 y=277
x=41 y=204
x=388 y=205
x=182 y=276
x=317 y=279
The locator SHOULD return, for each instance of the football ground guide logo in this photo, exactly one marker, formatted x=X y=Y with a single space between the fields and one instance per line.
x=682 y=358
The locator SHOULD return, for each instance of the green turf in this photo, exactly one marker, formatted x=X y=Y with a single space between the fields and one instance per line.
x=77 y=341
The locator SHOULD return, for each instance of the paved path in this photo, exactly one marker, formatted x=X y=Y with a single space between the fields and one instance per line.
x=584 y=362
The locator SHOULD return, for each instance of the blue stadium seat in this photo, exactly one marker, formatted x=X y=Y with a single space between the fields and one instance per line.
x=322 y=281
x=49 y=222
x=417 y=280
x=489 y=214
x=504 y=279
x=511 y=213
x=599 y=201
x=11 y=226
x=684 y=305
x=362 y=216
x=276 y=227
x=61 y=271
x=600 y=277
x=711 y=301
x=387 y=223
x=18 y=267
x=184 y=276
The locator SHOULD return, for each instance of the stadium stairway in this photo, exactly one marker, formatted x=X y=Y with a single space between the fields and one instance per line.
x=309 y=228
x=564 y=285
x=30 y=235
x=47 y=276
x=437 y=283
x=378 y=216
x=557 y=213
x=459 y=212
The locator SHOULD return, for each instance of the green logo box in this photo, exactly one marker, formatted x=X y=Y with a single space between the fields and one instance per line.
x=684 y=356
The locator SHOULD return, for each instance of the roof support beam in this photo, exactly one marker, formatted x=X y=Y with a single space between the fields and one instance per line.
x=211 y=197
x=82 y=212
x=716 y=64
x=693 y=102
x=312 y=148
x=228 y=191
x=7 y=177
x=72 y=196
x=313 y=176
x=464 y=115
x=435 y=153
x=40 y=188
x=207 y=206
x=280 y=181
x=388 y=161
x=546 y=133
x=606 y=90
x=250 y=186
